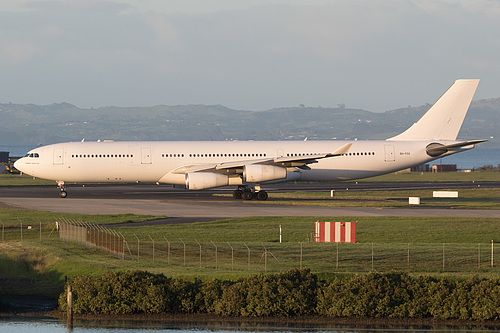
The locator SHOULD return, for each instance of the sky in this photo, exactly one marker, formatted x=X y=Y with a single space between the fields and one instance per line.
x=246 y=54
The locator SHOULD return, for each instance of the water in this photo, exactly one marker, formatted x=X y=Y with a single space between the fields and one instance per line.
x=16 y=151
x=471 y=159
x=47 y=325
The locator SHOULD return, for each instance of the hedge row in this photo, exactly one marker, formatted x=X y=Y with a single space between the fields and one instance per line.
x=291 y=293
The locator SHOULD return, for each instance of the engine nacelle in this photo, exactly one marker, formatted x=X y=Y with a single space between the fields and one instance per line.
x=202 y=180
x=255 y=173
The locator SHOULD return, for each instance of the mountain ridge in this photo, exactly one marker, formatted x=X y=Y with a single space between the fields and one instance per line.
x=32 y=124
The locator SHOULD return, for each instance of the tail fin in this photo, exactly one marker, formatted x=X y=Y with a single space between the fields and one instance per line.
x=444 y=119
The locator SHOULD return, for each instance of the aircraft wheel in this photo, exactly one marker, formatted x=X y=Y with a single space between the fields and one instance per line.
x=63 y=194
x=247 y=195
x=262 y=195
x=238 y=194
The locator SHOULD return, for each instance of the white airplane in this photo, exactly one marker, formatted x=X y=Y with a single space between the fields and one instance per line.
x=250 y=164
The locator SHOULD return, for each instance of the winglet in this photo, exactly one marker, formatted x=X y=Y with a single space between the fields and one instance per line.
x=342 y=150
x=444 y=119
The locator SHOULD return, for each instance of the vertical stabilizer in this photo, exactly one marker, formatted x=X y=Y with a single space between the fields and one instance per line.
x=444 y=119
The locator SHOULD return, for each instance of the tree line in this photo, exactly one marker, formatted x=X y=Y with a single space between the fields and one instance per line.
x=288 y=294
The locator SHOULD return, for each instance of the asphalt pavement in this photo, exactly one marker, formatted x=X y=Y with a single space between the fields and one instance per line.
x=189 y=206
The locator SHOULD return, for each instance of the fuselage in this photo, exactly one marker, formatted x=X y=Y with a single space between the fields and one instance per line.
x=155 y=161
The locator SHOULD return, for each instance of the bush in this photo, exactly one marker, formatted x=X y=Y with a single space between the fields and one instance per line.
x=291 y=293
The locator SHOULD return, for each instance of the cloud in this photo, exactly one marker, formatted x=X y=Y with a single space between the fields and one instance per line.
x=254 y=55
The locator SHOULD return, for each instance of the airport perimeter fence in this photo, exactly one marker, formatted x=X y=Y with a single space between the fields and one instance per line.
x=92 y=236
x=168 y=251
x=24 y=230
x=320 y=257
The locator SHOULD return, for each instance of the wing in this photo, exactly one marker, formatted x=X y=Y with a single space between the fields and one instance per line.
x=283 y=161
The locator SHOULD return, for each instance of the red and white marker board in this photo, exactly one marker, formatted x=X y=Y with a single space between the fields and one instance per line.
x=336 y=232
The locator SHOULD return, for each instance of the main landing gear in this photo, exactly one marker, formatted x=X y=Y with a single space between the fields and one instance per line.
x=62 y=190
x=246 y=193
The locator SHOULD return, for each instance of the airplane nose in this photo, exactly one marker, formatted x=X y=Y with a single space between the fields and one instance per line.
x=19 y=164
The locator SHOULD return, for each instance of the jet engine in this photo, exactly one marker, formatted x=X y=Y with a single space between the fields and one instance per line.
x=202 y=180
x=255 y=173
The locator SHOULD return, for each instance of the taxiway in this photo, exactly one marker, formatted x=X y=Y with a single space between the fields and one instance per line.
x=189 y=206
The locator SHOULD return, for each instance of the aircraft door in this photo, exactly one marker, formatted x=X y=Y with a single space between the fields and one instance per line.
x=146 y=155
x=59 y=156
x=280 y=152
x=389 y=153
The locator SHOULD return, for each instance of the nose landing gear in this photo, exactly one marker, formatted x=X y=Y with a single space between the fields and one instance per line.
x=62 y=189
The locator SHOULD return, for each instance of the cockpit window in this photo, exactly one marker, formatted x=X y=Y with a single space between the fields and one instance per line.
x=35 y=155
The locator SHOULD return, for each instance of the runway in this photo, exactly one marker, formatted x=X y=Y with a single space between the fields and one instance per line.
x=189 y=206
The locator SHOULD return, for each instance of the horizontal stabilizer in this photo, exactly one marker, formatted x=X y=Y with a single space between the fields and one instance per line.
x=436 y=149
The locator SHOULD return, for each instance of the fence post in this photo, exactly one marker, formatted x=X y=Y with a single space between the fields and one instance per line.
x=200 y=250
x=124 y=241
x=300 y=265
x=40 y=228
x=408 y=257
x=117 y=239
x=69 y=302
x=443 y=257
x=248 y=266
x=232 y=257
x=184 y=251
x=102 y=234
x=138 y=243
x=153 y=248
x=492 y=253
x=372 y=257
x=265 y=258
x=337 y=259
x=22 y=232
x=168 y=250
x=479 y=256
x=216 y=262
x=88 y=234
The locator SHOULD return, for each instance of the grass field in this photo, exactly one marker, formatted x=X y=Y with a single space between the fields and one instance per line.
x=32 y=254
x=479 y=198
x=234 y=248
x=8 y=179
x=474 y=176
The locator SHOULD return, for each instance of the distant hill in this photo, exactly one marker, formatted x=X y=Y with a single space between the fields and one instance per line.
x=28 y=124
